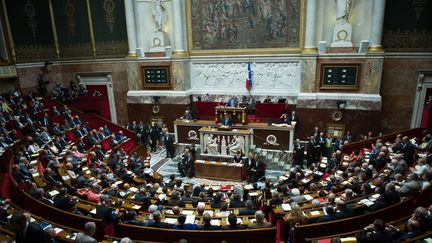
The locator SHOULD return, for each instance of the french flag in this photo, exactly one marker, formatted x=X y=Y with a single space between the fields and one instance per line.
x=249 y=78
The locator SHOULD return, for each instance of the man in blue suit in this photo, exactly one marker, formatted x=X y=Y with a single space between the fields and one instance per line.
x=226 y=121
x=232 y=102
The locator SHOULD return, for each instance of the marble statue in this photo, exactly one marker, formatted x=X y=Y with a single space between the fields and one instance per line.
x=159 y=14
x=223 y=146
x=343 y=9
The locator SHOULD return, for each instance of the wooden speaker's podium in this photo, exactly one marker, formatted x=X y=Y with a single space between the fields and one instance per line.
x=238 y=114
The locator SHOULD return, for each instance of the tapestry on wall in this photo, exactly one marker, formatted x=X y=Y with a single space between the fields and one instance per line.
x=243 y=24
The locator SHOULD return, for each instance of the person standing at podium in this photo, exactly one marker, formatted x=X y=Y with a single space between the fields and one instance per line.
x=232 y=102
x=293 y=118
x=238 y=158
x=187 y=115
x=226 y=120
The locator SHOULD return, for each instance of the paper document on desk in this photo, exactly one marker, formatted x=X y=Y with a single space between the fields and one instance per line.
x=215 y=222
x=315 y=213
x=367 y=202
x=187 y=212
x=286 y=207
x=170 y=220
x=136 y=207
x=308 y=197
x=201 y=204
x=190 y=219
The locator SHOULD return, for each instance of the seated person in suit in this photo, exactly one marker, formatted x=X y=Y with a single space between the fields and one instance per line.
x=259 y=221
x=157 y=221
x=226 y=120
x=207 y=223
x=26 y=231
x=249 y=210
x=238 y=158
x=86 y=236
x=375 y=232
x=187 y=115
x=232 y=220
x=232 y=102
x=181 y=219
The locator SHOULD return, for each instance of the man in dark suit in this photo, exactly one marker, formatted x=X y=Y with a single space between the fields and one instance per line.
x=293 y=118
x=26 y=231
x=169 y=144
x=77 y=132
x=375 y=232
x=342 y=211
x=331 y=215
x=407 y=150
x=250 y=164
x=154 y=136
x=106 y=213
x=235 y=202
x=206 y=223
x=45 y=120
x=157 y=221
x=226 y=120
x=232 y=220
x=299 y=152
x=61 y=201
x=310 y=149
x=249 y=210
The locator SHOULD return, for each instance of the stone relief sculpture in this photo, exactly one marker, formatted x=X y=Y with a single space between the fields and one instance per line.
x=237 y=143
x=212 y=144
x=231 y=76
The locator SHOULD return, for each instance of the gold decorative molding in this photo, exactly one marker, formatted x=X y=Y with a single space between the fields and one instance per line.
x=112 y=48
x=76 y=50
x=30 y=11
x=9 y=32
x=375 y=49
x=34 y=52
x=54 y=30
x=180 y=53
x=69 y=10
x=310 y=50
x=108 y=6
x=92 y=38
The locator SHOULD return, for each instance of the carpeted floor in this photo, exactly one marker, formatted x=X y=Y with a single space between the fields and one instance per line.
x=167 y=167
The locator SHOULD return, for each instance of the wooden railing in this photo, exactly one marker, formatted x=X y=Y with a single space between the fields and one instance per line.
x=390 y=213
x=415 y=132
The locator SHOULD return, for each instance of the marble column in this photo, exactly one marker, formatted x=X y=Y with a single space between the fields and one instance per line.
x=178 y=13
x=377 y=23
x=139 y=42
x=130 y=26
x=309 y=45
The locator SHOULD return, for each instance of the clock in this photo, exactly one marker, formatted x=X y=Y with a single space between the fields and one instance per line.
x=342 y=35
x=155 y=109
x=156 y=42
x=336 y=115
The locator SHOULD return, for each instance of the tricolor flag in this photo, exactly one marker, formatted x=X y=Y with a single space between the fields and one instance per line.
x=249 y=78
